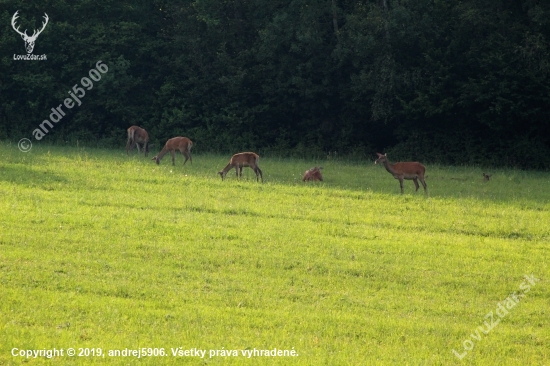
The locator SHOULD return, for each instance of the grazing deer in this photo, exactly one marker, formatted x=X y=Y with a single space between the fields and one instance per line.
x=183 y=144
x=486 y=177
x=240 y=160
x=313 y=174
x=136 y=136
x=401 y=171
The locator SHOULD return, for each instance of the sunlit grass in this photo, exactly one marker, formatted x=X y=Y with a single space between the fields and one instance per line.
x=102 y=250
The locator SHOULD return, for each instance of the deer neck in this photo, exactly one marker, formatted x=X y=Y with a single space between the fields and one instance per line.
x=162 y=153
x=389 y=167
x=227 y=168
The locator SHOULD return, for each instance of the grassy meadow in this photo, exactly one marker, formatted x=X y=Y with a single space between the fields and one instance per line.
x=107 y=252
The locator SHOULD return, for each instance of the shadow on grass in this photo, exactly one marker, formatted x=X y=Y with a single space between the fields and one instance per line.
x=505 y=186
x=22 y=175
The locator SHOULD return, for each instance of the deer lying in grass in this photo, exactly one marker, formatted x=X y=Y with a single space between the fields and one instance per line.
x=183 y=144
x=486 y=177
x=240 y=160
x=313 y=174
x=136 y=136
x=412 y=171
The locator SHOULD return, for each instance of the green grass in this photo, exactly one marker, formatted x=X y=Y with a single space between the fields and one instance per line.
x=101 y=250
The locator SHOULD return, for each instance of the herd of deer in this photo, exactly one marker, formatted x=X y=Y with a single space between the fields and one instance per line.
x=402 y=171
x=138 y=135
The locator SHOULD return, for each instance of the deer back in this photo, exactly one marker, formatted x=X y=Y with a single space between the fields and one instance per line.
x=409 y=168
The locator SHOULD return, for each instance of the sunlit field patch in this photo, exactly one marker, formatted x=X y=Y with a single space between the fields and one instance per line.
x=104 y=251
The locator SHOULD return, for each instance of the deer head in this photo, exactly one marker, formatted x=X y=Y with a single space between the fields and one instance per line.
x=29 y=41
x=381 y=158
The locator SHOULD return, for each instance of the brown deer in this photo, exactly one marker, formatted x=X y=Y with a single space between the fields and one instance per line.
x=240 y=160
x=313 y=174
x=412 y=171
x=136 y=136
x=486 y=177
x=183 y=144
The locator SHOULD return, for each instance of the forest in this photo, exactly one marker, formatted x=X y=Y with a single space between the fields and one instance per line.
x=437 y=81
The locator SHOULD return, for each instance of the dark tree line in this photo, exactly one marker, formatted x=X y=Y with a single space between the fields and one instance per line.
x=459 y=82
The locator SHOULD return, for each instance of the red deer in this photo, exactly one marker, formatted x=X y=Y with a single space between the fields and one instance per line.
x=401 y=171
x=240 y=160
x=136 y=136
x=313 y=174
x=183 y=144
x=486 y=177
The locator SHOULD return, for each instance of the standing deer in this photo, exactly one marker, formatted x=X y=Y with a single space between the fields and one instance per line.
x=136 y=136
x=401 y=171
x=183 y=144
x=29 y=41
x=240 y=160
x=313 y=174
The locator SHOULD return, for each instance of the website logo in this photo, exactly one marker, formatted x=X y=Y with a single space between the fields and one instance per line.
x=29 y=40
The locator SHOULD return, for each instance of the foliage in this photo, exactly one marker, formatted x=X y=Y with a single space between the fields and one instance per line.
x=292 y=76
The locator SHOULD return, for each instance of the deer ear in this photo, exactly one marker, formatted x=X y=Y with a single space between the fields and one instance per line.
x=386 y=154
x=379 y=155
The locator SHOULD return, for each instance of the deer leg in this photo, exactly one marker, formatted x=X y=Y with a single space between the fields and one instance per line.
x=173 y=153
x=415 y=180
x=424 y=184
x=184 y=153
x=255 y=172
x=146 y=149
x=128 y=144
x=258 y=171
x=401 y=184
x=132 y=145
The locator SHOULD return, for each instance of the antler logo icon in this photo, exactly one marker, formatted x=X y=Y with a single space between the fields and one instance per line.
x=29 y=41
